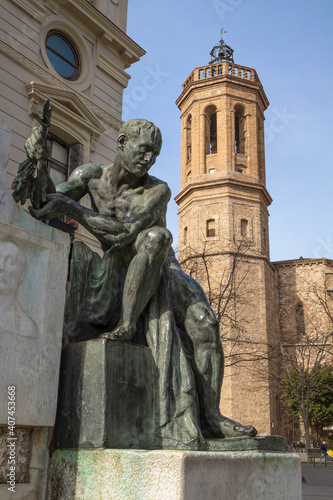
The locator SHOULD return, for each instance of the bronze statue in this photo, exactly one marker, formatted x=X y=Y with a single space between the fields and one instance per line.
x=137 y=291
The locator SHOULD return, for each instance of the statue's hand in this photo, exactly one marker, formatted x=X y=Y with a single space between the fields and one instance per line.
x=36 y=146
x=33 y=180
x=56 y=206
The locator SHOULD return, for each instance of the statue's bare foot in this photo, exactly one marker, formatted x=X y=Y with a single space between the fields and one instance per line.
x=223 y=427
x=123 y=332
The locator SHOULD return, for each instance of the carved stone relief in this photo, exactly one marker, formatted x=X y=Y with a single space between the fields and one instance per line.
x=33 y=272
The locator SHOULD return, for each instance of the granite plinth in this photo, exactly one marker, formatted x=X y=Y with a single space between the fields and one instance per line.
x=176 y=475
x=258 y=443
x=105 y=396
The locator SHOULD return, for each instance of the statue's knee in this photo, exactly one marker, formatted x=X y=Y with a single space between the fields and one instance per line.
x=158 y=239
x=205 y=324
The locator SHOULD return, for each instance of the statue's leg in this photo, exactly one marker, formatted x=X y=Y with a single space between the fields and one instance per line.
x=203 y=329
x=195 y=316
x=142 y=279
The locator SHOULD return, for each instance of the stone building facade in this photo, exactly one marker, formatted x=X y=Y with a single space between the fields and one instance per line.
x=75 y=53
x=224 y=234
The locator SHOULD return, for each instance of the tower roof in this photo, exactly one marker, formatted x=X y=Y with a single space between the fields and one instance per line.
x=221 y=52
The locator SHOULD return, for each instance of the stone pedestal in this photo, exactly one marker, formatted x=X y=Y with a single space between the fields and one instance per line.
x=106 y=401
x=174 y=475
x=105 y=396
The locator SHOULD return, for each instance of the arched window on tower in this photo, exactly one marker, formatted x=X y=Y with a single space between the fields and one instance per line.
x=185 y=235
x=211 y=131
x=189 y=139
x=264 y=237
x=300 y=322
x=244 y=228
x=210 y=228
x=261 y=150
x=240 y=129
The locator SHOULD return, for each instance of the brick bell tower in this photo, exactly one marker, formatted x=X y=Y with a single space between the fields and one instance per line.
x=223 y=226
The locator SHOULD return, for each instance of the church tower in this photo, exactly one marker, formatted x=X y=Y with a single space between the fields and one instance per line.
x=223 y=226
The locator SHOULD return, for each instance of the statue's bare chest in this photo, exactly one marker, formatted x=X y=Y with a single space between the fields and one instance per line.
x=119 y=204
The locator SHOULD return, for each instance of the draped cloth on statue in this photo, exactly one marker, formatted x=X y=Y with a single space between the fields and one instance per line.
x=94 y=307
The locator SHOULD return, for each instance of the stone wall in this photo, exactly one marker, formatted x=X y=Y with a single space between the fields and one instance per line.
x=299 y=281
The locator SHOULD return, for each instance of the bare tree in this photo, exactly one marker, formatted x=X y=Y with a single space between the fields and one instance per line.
x=223 y=272
x=295 y=355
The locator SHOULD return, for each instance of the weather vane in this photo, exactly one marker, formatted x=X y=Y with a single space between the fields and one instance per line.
x=221 y=52
x=225 y=39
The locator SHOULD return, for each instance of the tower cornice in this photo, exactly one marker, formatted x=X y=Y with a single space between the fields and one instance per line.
x=202 y=183
x=222 y=72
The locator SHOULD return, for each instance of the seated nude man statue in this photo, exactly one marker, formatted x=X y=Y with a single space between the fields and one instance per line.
x=128 y=216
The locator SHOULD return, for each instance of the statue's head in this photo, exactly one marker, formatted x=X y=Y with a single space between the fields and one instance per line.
x=139 y=143
x=12 y=267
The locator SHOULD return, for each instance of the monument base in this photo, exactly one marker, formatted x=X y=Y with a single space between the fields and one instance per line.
x=176 y=475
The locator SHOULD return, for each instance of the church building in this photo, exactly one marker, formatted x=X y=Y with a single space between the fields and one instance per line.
x=224 y=235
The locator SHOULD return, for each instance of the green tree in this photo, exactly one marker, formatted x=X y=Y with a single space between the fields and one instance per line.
x=315 y=391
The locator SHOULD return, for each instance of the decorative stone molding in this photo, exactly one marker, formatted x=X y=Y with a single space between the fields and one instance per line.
x=32 y=8
x=70 y=113
x=302 y=262
x=112 y=70
x=219 y=181
x=45 y=75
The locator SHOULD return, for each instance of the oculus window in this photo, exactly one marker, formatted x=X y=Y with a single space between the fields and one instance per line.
x=63 y=55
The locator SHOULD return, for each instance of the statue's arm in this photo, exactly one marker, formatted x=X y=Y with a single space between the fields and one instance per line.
x=111 y=232
x=103 y=228
x=77 y=184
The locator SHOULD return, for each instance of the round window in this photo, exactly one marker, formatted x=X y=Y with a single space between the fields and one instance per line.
x=63 y=55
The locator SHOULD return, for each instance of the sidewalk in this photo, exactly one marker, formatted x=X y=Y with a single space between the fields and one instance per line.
x=319 y=482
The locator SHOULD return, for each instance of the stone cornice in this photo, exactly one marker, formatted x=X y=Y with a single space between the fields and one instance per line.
x=193 y=99
x=207 y=184
x=46 y=76
x=32 y=8
x=216 y=81
x=129 y=51
x=302 y=262
x=112 y=70
x=244 y=256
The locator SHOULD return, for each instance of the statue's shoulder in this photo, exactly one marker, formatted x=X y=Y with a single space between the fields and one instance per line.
x=88 y=171
x=160 y=185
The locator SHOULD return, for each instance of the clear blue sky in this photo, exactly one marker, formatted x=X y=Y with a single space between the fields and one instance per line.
x=289 y=43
